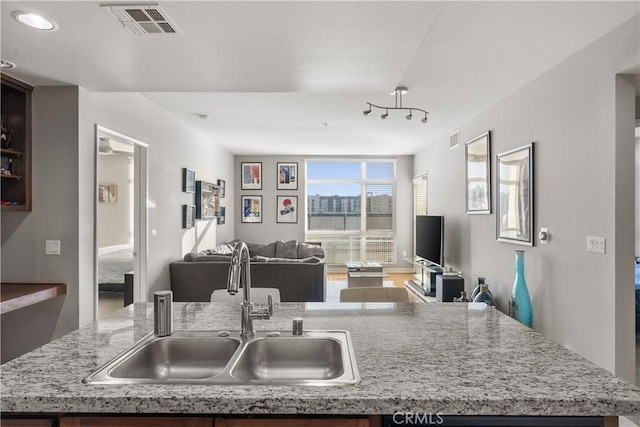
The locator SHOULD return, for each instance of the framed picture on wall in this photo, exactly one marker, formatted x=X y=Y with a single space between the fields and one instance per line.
x=222 y=185
x=188 y=180
x=108 y=193
x=287 y=209
x=514 y=205
x=287 y=176
x=252 y=209
x=251 y=176
x=222 y=215
x=188 y=216
x=478 y=174
x=206 y=200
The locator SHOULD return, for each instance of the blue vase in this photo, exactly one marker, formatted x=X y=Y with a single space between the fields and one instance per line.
x=521 y=306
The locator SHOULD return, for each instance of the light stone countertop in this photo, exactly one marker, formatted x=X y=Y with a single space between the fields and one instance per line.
x=427 y=358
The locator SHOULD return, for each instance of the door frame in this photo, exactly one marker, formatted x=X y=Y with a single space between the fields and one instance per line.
x=140 y=213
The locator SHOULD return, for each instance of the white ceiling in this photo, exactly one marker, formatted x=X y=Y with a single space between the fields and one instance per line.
x=270 y=75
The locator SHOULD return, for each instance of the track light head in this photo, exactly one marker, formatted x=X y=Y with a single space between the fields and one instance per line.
x=424 y=119
x=409 y=116
x=366 y=112
x=385 y=115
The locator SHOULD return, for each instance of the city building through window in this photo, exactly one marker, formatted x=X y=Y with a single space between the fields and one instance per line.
x=350 y=209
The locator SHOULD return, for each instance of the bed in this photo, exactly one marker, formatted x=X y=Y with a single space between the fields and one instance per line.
x=113 y=263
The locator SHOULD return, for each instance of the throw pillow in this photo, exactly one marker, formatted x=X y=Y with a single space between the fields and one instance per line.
x=306 y=250
x=268 y=250
x=287 y=249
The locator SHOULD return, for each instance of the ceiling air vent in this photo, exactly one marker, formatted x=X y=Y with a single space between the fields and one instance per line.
x=454 y=140
x=147 y=19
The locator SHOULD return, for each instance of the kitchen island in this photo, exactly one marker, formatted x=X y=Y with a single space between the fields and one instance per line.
x=449 y=358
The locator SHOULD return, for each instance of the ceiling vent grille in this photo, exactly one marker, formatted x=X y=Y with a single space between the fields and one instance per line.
x=454 y=140
x=142 y=20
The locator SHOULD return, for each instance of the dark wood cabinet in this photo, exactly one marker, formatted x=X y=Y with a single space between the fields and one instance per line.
x=15 y=151
x=135 y=421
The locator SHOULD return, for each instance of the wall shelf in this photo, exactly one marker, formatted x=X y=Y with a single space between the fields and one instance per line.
x=16 y=152
x=19 y=295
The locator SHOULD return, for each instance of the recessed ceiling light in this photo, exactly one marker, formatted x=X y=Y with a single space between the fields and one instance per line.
x=6 y=64
x=34 y=21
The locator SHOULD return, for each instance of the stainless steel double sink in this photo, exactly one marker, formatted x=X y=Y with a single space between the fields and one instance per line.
x=317 y=358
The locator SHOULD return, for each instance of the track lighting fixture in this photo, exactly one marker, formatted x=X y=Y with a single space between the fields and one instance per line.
x=398 y=92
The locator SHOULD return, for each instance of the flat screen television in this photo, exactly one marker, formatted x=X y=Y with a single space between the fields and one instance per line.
x=430 y=238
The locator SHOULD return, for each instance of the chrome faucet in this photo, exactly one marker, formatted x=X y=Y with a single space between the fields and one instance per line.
x=240 y=274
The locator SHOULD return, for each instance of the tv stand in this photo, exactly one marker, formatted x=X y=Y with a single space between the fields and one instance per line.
x=428 y=274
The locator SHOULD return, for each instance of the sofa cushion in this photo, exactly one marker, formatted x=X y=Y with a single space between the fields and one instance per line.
x=225 y=248
x=212 y=258
x=306 y=250
x=286 y=249
x=268 y=250
x=309 y=260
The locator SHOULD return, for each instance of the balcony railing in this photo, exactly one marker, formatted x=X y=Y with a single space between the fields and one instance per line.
x=343 y=249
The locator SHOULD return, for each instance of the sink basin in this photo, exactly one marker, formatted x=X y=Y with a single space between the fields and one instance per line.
x=185 y=355
x=178 y=357
x=292 y=358
x=215 y=357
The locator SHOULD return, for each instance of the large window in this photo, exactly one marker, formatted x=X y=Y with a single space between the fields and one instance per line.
x=350 y=209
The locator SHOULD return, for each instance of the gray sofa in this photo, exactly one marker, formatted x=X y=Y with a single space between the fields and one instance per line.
x=297 y=269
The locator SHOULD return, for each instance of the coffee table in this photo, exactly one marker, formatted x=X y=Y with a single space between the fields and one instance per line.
x=365 y=274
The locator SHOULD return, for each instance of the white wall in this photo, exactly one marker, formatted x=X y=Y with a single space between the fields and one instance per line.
x=638 y=197
x=269 y=230
x=114 y=219
x=64 y=146
x=570 y=113
x=637 y=175
x=172 y=146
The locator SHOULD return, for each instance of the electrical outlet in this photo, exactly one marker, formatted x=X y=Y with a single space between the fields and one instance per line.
x=596 y=244
x=404 y=253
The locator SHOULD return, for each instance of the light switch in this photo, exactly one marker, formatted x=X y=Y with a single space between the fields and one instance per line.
x=596 y=244
x=52 y=247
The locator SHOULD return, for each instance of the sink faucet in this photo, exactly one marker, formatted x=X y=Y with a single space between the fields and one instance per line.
x=240 y=274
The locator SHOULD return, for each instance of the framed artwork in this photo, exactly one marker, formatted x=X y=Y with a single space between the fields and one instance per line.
x=206 y=200
x=188 y=216
x=251 y=176
x=222 y=215
x=108 y=193
x=188 y=180
x=287 y=176
x=287 y=209
x=477 y=154
x=514 y=207
x=222 y=185
x=252 y=209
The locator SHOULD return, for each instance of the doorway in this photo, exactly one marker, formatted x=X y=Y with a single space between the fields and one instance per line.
x=120 y=221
